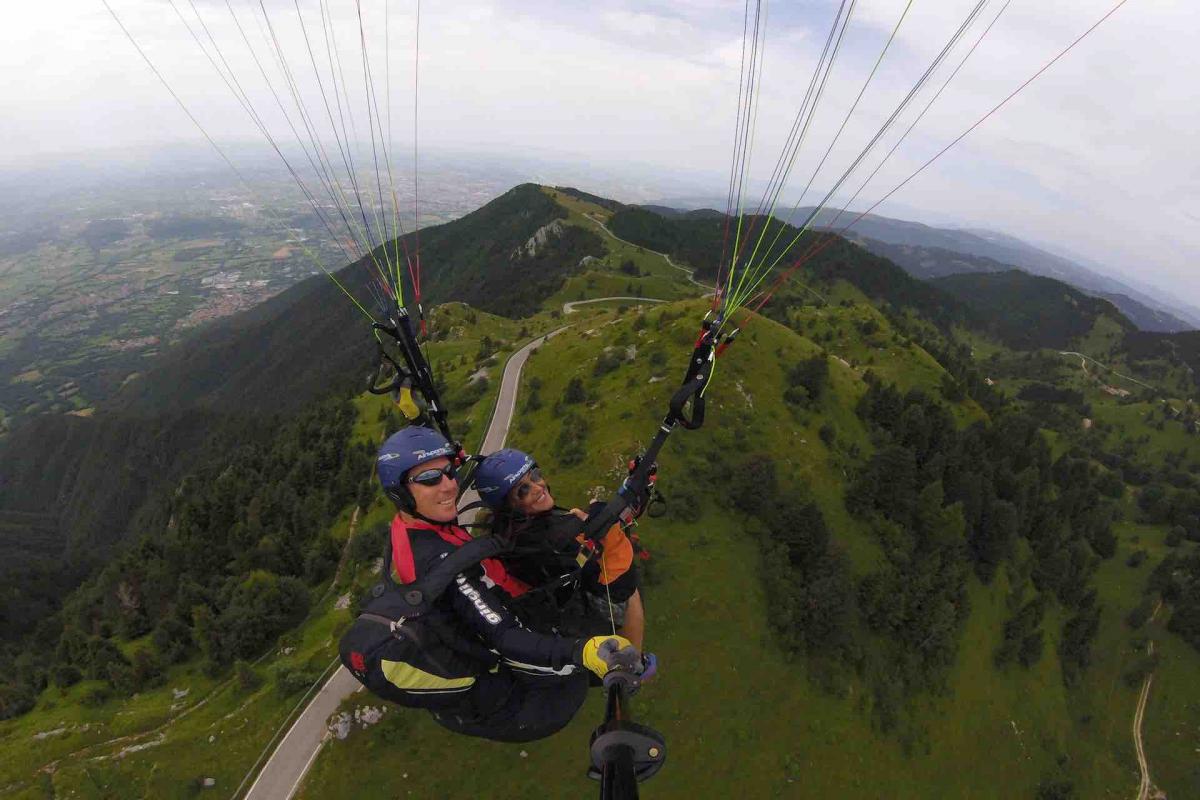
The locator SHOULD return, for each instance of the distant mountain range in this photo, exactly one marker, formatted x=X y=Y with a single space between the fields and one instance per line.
x=928 y=252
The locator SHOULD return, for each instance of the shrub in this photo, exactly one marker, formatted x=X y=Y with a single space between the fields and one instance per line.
x=247 y=678
x=575 y=391
x=368 y=544
x=289 y=680
x=16 y=699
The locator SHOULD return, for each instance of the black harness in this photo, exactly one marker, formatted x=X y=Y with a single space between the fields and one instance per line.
x=400 y=624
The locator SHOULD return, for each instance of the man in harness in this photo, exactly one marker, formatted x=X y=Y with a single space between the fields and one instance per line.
x=437 y=635
x=564 y=583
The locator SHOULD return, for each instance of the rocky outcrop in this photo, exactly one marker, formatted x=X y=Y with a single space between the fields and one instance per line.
x=541 y=236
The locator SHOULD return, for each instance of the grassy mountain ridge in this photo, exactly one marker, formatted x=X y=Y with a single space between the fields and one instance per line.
x=928 y=251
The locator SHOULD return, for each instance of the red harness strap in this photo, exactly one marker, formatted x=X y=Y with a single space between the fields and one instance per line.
x=404 y=569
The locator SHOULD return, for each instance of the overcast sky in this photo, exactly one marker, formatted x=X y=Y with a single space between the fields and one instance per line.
x=1097 y=157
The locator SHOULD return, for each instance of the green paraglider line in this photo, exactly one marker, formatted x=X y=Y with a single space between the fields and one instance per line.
x=791 y=149
x=824 y=158
x=763 y=273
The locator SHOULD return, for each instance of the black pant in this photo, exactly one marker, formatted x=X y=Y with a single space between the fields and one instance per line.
x=511 y=706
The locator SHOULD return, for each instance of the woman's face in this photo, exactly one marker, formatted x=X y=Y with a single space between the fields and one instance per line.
x=438 y=501
x=531 y=495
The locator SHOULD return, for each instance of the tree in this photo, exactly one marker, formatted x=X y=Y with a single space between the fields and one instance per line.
x=807 y=379
x=799 y=526
x=952 y=390
x=247 y=678
x=101 y=653
x=321 y=559
x=828 y=434
x=172 y=638
x=262 y=606
x=753 y=487
x=1185 y=619
x=993 y=540
x=1175 y=536
x=1075 y=648
x=575 y=391
x=15 y=700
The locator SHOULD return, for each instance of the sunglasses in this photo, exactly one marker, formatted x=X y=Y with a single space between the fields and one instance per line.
x=526 y=486
x=433 y=477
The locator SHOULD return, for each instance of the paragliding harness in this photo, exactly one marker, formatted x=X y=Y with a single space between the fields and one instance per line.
x=623 y=752
x=403 y=649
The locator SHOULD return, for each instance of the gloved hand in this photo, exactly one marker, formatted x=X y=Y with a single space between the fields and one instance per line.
x=603 y=653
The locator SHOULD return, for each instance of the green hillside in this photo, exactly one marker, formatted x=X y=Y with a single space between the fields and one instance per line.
x=903 y=558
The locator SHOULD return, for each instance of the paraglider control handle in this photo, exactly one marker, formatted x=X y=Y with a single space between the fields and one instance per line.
x=693 y=391
x=375 y=386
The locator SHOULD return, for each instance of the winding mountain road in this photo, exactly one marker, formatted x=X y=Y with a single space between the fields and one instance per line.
x=294 y=756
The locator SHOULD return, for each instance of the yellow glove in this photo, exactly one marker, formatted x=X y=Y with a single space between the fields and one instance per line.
x=602 y=653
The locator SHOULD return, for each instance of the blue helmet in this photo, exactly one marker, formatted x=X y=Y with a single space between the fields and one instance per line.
x=498 y=473
x=405 y=449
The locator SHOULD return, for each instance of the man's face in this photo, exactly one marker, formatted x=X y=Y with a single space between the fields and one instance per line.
x=434 y=500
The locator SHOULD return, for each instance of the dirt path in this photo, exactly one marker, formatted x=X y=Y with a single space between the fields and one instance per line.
x=1146 y=790
x=1086 y=358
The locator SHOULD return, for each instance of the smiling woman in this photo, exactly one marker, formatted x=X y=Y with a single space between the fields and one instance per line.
x=570 y=583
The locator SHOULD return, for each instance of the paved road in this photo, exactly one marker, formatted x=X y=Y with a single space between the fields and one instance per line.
x=297 y=751
x=691 y=273
x=281 y=775
x=569 y=308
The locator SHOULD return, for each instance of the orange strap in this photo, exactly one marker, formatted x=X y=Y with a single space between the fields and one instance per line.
x=616 y=557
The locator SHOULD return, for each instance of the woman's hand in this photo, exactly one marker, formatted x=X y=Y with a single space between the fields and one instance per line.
x=580 y=513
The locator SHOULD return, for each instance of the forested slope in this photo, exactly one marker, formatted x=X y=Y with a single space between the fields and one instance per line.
x=1026 y=311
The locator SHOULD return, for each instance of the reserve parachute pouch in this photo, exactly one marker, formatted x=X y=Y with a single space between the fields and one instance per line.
x=406 y=660
x=402 y=648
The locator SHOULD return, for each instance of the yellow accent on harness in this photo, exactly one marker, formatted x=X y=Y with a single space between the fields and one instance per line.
x=407 y=677
x=405 y=402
